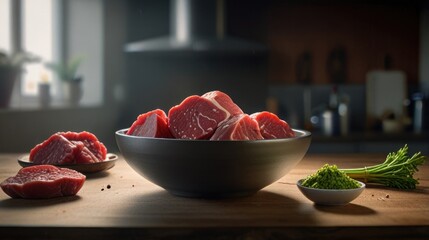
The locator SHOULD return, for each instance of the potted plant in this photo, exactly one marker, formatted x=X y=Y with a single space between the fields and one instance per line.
x=10 y=68
x=67 y=73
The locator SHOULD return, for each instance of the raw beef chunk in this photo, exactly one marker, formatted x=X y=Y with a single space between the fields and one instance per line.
x=211 y=116
x=69 y=148
x=238 y=127
x=151 y=124
x=55 y=150
x=84 y=155
x=224 y=102
x=43 y=181
x=90 y=141
x=198 y=117
x=272 y=126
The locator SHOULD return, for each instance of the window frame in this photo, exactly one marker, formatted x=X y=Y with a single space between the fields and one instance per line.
x=19 y=98
x=75 y=20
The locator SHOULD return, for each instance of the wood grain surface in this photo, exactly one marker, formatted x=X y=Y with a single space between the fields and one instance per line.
x=120 y=203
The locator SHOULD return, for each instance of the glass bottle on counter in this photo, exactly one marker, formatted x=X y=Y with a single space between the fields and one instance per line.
x=334 y=98
x=335 y=117
x=419 y=110
x=343 y=111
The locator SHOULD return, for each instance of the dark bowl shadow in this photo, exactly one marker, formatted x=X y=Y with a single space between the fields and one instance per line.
x=97 y=175
x=262 y=207
x=348 y=209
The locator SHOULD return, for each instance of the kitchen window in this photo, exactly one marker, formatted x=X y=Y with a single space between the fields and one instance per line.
x=29 y=26
x=5 y=41
x=39 y=38
x=55 y=31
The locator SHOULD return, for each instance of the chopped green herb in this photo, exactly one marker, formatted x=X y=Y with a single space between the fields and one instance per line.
x=330 y=177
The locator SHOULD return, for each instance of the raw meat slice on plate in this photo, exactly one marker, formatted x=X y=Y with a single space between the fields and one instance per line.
x=55 y=150
x=238 y=127
x=69 y=148
x=197 y=117
x=43 y=181
x=272 y=126
x=151 y=124
x=90 y=141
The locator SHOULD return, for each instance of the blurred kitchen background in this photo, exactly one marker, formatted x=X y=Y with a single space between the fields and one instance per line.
x=354 y=73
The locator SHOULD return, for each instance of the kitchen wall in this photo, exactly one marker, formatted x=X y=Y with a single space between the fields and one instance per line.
x=22 y=128
x=162 y=79
x=370 y=35
x=84 y=37
x=134 y=83
x=316 y=44
x=424 y=49
x=366 y=34
x=312 y=46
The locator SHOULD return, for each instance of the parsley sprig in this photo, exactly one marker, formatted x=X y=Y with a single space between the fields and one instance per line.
x=396 y=171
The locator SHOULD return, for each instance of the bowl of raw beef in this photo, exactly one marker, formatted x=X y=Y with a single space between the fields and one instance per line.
x=231 y=155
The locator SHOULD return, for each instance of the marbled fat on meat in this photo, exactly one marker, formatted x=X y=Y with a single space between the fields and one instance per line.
x=272 y=126
x=194 y=118
x=197 y=117
x=43 y=181
x=224 y=102
x=238 y=127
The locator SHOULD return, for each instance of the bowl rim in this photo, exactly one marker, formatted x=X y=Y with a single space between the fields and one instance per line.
x=304 y=134
x=299 y=184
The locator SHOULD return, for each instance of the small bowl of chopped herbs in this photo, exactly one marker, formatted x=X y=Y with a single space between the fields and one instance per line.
x=330 y=186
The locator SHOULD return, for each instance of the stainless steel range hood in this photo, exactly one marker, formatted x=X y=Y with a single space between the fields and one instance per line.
x=196 y=26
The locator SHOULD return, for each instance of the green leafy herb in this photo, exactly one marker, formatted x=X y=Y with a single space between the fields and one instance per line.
x=397 y=171
x=67 y=71
x=16 y=60
x=330 y=177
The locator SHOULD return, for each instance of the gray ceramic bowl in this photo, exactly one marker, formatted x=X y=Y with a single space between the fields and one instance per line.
x=212 y=169
x=330 y=196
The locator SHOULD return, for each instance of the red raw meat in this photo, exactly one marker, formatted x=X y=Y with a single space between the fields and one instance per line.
x=43 y=181
x=69 y=148
x=55 y=150
x=239 y=127
x=198 y=117
x=90 y=141
x=84 y=155
x=151 y=124
x=224 y=102
x=272 y=126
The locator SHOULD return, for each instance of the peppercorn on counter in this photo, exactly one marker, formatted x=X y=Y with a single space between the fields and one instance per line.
x=119 y=203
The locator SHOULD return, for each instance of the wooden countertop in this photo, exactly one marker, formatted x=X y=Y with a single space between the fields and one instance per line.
x=135 y=208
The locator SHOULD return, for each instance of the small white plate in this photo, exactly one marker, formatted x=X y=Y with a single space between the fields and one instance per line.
x=108 y=163
x=330 y=196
